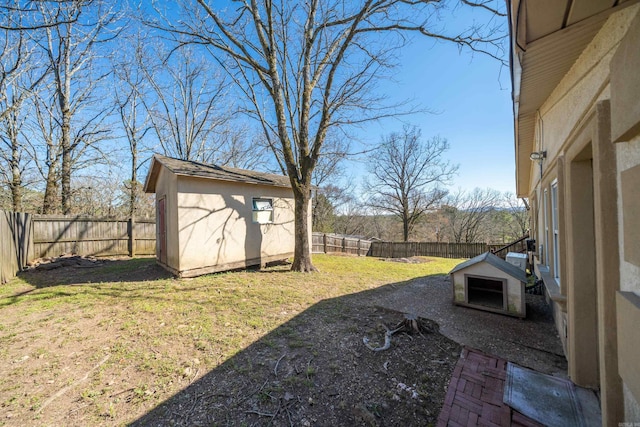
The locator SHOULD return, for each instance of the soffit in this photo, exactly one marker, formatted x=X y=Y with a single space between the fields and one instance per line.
x=547 y=38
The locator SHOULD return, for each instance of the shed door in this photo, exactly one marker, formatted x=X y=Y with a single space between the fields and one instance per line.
x=162 y=231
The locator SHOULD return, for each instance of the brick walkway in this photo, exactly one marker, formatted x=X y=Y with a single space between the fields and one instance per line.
x=474 y=396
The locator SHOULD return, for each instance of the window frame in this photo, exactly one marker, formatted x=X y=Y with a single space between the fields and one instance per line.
x=258 y=216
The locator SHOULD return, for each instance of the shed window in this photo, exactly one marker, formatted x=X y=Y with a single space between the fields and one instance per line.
x=262 y=210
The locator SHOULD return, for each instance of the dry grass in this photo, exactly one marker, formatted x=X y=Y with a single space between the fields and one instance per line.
x=91 y=347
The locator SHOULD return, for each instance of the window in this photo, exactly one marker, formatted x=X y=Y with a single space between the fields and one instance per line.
x=262 y=211
x=555 y=230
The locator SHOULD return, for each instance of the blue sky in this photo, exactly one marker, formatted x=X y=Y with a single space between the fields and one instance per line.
x=472 y=97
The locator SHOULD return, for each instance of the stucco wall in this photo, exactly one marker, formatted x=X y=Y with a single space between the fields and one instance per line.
x=166 y=186
x=216 y=226
x=625 y=111
x=563 y=121
x=628 y=156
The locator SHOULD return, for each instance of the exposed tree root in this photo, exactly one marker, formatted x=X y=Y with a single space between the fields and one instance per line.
x=409 y=325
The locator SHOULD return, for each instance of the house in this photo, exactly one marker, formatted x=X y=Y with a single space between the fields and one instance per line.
x=488 y=282
x=211 y=218
x=576 y=94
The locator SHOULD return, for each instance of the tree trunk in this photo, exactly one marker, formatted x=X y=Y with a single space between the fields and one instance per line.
x=49 y=204
x=302 y=252
x=66 y=164
x=405 y=229
x=16 y=178
x=134 y=182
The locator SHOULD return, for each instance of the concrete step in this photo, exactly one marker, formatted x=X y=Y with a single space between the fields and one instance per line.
x=550 y=400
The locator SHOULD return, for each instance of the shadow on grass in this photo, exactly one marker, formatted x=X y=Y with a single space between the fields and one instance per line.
x=105 y=271
x=315 y=370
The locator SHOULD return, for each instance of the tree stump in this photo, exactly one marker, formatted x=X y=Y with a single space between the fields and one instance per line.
x=409 y=324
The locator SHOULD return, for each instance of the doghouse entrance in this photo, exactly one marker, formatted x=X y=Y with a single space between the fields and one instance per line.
x=486 y=292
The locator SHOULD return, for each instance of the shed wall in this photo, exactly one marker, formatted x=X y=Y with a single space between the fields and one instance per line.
x=216 y=228
x=167 y=187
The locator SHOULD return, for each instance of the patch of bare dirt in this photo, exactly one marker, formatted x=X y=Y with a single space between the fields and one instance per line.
x=316 y=370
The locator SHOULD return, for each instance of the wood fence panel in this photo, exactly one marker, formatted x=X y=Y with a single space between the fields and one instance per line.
x=435 y=249
x=145 y=237
x=54 y=235
x=16 y=244
x=330 y=243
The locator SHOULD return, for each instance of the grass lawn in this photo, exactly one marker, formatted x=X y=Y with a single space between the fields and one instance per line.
x=105 y=345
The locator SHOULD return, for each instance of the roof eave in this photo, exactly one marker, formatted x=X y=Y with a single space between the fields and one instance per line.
x=535 y=74
x=152 y=176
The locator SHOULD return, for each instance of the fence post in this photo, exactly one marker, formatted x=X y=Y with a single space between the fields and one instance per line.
x=324 y=242
x=132 y=240
x=344 y=245
x=358 y=247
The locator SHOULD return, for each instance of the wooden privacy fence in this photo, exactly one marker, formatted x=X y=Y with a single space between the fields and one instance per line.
x=54 y=235
x=331 y=243
x=16 y=245
x=437 y=249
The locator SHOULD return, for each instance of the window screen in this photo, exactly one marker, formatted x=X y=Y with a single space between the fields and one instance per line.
x=262 y=211
x=262 y=205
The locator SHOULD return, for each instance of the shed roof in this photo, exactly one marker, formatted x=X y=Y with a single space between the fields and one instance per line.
x=495 y=261
x=203 y=170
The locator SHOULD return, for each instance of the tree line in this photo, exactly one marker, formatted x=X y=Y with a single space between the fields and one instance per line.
x=406 y=196
x=89 y=85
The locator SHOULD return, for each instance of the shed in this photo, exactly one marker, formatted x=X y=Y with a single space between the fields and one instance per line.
x=213 y=218
x=489 y=283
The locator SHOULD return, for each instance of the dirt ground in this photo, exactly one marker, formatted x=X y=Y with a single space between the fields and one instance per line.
x=312 y=370
x=324 y=376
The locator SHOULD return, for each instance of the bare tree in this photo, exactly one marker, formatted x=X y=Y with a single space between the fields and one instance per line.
x=328 y=196
x=406 y=175
x=188 y=109
x=18 y=57
x=467 y=213
x=44 y=146
x=72 y=52
x=131 y=88
x=240 y=148
x=12 y=152
x=21 y=72
x=306 y=68
x=519 y=213
x=16 y=15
